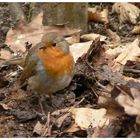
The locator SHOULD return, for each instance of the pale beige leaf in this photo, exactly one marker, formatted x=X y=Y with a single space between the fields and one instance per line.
x=39 y=128
x=75 y=38
x=131 y=106
x=78 y=49
x=93 y=36
x=131 y=52
x=113 y=35
x=116 y=51
x=98 y=16
x=4 y=106
x=33 y=33
x=93 y=15
x=136 y=30
x=61 y=119
x=104 y=15
x=88 y=117
x=5 y=54
x=72 y=128
x=127 y=12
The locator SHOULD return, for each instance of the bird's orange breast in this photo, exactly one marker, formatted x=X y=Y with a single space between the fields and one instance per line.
x=56 y=62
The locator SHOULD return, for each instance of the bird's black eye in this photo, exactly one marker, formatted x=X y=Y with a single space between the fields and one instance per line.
x=54 y=44
x=43 y=48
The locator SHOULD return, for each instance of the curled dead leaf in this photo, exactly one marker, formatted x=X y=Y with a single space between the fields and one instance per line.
x=93 y=36
x=88 y=117
x=5 y=54
x=113 y=35
x=116 y=51
x=39 y=128
x=127 y=12
x=78 y=49
x=4 y=106
x=131 y=105
x=75 y=38
x=33 y=32
x=136 y=30
x=72 y=128
x=95 y=15
x=61 y=119
x=130 y=52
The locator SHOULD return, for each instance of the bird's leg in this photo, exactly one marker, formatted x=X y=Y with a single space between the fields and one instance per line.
x=46 y=106
x=51 y=100
x=41 y=99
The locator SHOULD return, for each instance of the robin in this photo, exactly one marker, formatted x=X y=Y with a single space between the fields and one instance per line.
x=49 y=66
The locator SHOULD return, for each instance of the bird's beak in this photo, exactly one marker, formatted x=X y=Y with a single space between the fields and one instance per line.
x=43 y=47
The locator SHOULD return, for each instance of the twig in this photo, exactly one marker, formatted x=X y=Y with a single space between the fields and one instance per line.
x=103 y=87
x=132 y=71
x=94 y=92
x=47 y=126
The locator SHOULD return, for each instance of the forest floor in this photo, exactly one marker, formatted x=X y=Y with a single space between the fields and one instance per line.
x=20 y=113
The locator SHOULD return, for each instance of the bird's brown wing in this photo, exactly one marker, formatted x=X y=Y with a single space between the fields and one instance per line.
x=30 y=64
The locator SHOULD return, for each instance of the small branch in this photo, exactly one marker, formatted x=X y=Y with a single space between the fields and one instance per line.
x=134 y=71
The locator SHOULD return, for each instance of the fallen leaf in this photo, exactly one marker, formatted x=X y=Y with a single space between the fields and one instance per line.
x=75 y=38
x=136 y=30
x=5 y=54
x=131 y=52
x=78 y=49
x=33 y=32
x=113 y=35
x=115 y=52
x=4 y=106
x=131 y=105
x=104 y=15
x=88 y=117
x=98 y=16
x=92 y=36
x=72 y=128
x=38 y=128
x=127 y=12
x=93 y=15
x=61 y=119
x=110 y=131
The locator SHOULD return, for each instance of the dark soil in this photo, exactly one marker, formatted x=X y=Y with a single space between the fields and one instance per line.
x=24 y=111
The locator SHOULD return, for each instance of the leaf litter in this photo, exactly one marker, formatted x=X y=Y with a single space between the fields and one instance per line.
x=103 y=97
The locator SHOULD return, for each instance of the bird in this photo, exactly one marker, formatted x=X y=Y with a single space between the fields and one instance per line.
x=49 y=66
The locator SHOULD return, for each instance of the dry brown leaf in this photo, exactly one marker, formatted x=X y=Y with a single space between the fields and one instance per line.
x=136 y=30
x=95 y=15
x=88 y=117
x=32 y=33
x=116 y=51
x=61 y=119
x=113 y=35
x=78 y=49
x=131 y=52
x=72 y=128
x=5 y=54
x=104 y=15
x=92 y=36
x=73 y=38
x=39 y=128
x=127 y=12
x=131 y=106
x=110 y=131
x=4 y=106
